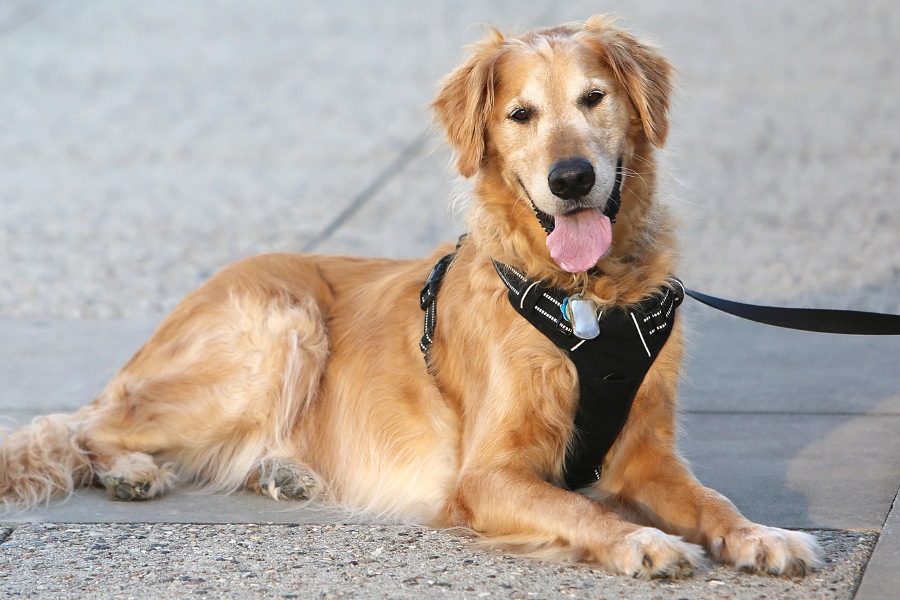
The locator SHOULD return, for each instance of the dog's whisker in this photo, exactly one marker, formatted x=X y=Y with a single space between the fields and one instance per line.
x=630 y=173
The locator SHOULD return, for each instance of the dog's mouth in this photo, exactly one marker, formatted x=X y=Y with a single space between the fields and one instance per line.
x=578 y=239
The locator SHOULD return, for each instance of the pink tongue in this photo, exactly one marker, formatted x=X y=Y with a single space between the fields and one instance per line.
x=580 y=239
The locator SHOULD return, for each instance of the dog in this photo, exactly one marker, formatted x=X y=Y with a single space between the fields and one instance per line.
x=301 y=376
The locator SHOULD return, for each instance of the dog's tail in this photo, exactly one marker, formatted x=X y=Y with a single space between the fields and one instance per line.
x=42 y=461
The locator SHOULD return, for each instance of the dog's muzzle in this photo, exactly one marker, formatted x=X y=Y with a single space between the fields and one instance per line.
x=574 y=178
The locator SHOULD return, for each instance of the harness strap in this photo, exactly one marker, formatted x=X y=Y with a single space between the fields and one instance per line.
x=428 y=300
x=428 y=296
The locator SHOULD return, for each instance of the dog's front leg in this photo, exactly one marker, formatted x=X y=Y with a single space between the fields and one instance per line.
x=645 y=475
x=514 y=508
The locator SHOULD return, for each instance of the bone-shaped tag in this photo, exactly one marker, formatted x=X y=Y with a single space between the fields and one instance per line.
x=582 y=314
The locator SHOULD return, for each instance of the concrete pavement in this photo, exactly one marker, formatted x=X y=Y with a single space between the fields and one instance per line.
x=148 y=144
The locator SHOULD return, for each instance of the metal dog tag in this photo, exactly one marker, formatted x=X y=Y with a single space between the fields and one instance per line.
x=582 y=315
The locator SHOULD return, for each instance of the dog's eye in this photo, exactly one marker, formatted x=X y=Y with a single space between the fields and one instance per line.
x=593 y=98
x=520 y=115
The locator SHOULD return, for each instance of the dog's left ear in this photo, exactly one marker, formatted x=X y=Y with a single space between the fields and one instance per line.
x=465 y=101
x=640 y=69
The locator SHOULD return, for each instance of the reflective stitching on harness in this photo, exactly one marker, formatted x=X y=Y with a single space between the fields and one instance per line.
x=658 y=313
x=546 y=314
x=525 y=293
x=643 y=341
x=509 y=284
x=552 y=299
x=658 y=328
x=515 y=272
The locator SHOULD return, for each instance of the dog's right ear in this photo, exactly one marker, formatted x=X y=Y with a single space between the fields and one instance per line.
x=465 y=101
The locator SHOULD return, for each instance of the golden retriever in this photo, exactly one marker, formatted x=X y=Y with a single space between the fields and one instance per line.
x=301 y=375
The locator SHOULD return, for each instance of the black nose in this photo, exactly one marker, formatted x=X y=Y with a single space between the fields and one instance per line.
x=572 y=178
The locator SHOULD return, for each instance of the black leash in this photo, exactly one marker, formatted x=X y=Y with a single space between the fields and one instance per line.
x=819 y=320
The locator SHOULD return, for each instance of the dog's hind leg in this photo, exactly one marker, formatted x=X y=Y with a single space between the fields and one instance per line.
x=53 y=455
x=212 y=421
x=222 y=384
x=285 y=480
x=135 y=476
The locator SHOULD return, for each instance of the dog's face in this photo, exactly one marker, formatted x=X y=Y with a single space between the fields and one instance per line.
x=557 y=115
x=559 y=126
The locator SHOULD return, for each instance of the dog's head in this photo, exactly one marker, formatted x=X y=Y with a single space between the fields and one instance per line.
x=557 y=115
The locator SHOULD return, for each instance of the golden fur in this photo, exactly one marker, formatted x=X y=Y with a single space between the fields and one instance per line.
x=301 y=376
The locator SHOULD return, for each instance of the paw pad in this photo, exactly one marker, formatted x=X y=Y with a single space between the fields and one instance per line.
x=122 y=489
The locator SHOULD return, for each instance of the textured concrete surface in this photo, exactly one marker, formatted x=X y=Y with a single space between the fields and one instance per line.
x=352 y=561
x=146 y=145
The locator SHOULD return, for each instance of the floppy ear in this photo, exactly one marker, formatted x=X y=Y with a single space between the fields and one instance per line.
x=465 y=101
x=641 y=70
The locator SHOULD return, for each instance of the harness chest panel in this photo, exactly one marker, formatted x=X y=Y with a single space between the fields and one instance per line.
x=610 y=366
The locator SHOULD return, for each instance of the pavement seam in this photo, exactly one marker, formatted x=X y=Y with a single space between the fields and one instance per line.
x=412 y=150
x=878 y=546
x=891 y=509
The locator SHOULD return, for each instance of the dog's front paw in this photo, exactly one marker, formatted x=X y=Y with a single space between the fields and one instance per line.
x=760 y=549
x=649 y=553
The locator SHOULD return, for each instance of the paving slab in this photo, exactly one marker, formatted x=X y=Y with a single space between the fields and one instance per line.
x=799 y=471
x=736 y=366
x=91 y=505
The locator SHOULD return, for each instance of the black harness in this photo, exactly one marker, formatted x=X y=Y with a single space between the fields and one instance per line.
x=610 y=367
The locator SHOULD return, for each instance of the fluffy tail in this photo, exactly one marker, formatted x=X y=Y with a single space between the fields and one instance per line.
x=42 y=461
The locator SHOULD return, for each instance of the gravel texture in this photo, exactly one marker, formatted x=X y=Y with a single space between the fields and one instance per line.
x=354 y=561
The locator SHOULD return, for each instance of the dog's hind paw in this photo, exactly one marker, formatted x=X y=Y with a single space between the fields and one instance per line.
x=134 y=476
x=760 y=549
x=649 y=553
x=282 y=480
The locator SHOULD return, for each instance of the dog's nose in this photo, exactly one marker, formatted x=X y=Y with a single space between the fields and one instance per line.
x=572 y=178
